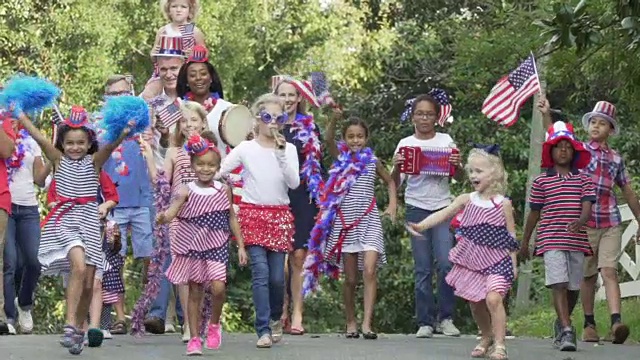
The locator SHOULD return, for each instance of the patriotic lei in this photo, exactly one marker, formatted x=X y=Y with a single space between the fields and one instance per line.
x=343 y=174
x=304 y=128
x=15 y=162
x=208 y=104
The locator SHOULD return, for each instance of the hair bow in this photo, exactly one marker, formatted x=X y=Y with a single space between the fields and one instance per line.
x=493 y=149
x=198 y=146
x=406 y=114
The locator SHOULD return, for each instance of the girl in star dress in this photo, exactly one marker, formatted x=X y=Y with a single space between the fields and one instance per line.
x=71 y=239
x=484 y=258
x=206 y=219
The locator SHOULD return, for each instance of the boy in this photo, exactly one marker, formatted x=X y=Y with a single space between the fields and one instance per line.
x=561 y=200
x=606 y=169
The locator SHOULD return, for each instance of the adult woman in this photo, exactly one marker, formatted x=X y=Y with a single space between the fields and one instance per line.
x=26 y=168
x=301 y=131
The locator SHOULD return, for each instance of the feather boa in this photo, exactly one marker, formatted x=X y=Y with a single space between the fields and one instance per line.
x=15 y=162
x=28 y=94
x=208 y=105
x=118 y=111
x=305 y=132
x=344 y=172
x=162 y=196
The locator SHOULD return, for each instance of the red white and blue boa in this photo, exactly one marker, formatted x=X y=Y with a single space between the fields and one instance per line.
x=343 y=174
x=305 y=132
x=15 y=162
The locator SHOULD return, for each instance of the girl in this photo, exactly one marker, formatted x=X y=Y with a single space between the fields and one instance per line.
x=71 y=233
x=356 y=234
x=25 y=168
x=302 y=132
x=270 y=169
x=206 y=218
x=484 y=267
x=181 y=14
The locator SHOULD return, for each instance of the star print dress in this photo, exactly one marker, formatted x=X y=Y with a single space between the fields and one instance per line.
x=481 y=258
x=200 y=248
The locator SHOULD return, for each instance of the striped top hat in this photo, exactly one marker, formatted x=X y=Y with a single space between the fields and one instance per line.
x=564 y=131
x=200 y=54
x=170 y=46
x=605 y=110
x=77 y=118
x=304 y=87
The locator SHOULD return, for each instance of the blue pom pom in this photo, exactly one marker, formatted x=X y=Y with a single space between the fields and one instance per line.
x=29 y=94
x=118 y=111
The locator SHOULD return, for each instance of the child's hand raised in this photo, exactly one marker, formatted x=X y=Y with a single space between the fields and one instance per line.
x=543 y=105
x=242 y=256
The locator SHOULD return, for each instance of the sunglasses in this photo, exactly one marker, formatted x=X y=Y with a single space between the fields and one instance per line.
x=268 y=118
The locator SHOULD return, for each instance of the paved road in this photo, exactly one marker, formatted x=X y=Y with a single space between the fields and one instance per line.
x=308 y=347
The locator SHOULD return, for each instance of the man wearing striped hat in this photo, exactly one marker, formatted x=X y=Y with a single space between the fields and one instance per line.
x=607 y=169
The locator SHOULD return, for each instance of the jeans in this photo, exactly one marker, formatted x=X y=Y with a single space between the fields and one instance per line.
x=267 y=277
x=140 y=220
x=21 y=256
x=436 y=245
x=3 y=226
x=160 y=304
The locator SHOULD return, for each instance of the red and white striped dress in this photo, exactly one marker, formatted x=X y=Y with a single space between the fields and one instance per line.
x=481 y=258
x=200 y=248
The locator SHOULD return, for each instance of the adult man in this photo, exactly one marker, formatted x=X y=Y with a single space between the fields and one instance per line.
x=425 y=195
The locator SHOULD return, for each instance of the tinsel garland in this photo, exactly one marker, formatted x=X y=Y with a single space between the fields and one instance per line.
x=343 y=174
x=162 y=196
x=15 y=162
x=305 y=132
x=208 y=105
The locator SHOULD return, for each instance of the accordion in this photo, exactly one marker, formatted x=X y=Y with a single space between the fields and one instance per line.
x=427 y=160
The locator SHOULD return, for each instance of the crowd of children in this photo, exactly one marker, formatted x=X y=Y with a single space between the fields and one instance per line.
x=335 y=226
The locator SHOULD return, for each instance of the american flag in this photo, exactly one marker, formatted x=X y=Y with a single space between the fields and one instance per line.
x=445 y=105
x=511 y=92
x=170 y=114
x=320 y=88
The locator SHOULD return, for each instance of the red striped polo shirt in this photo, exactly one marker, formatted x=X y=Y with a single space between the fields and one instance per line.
x=559 y=198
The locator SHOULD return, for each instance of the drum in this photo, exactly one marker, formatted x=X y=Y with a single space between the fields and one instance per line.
x=235 y=125
x=427 y=160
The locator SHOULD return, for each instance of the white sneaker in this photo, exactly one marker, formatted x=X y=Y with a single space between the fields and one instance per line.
x=448 y=328
x=425 y=332
x=169 y=328
x=25 y=321
x=276 y=331
x=264 y=342
x=186 y=335
x=12 y=329
x=107 y=335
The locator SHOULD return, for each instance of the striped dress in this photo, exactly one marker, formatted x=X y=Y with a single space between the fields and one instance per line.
x=74 y=220
x=481 y=258
x=357 y=226
x=200 y=249
x=182 y=175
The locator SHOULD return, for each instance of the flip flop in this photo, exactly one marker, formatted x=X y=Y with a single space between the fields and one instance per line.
x=296 y=331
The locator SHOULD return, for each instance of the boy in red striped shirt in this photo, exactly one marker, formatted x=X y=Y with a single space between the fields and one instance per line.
x=560 y=201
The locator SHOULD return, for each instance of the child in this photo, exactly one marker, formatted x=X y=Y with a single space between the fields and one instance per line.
x=200 y=249
x=71 y=232
x=181 y=14
x=7 y=146
x=561 y=199
x=484 y=267
x=356 y=234
x=270 y=169
x=604 y=229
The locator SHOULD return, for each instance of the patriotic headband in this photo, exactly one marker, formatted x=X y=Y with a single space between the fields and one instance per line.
x=304 y=87
x=492 y=149
x=199 y=54
x=198 y=146
x=438 y=95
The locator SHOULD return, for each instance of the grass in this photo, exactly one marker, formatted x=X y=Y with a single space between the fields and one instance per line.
x=538 y=321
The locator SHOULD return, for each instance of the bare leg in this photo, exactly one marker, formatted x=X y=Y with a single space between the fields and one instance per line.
x=370 y=288
x=119 y=305
x=483 y=320
x=588 y=294
x=287 y=300
x=349 y=290
x=218 y=288
x=297 y=263
x=183 y=292
x=195 y=295
x=498 y=317
x=75 y=287
x=561 y=303
x=95 y=309
x=87 y=294
x=612 y=289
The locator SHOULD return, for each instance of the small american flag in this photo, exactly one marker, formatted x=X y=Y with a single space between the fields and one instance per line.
x=445 y=105
x=170 y=114
x=320 y=88
x=511 y=92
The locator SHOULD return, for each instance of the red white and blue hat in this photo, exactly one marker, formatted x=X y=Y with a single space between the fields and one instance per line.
x=603 y=109
x=199 y=54
x=170 y=46
x=305 y=89
x=564 y=131
x=79 y=117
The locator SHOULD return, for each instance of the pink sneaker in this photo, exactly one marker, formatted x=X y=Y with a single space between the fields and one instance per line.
x=194 y=347
x=214 y=336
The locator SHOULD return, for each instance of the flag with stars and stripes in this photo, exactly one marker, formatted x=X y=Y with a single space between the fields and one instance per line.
x=445 y=105
x=170 y=114
x=511 y=92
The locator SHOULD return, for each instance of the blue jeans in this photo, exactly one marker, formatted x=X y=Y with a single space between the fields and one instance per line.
x=21 y=257
x=436 y=245
x=267 y=277
x=139 y=218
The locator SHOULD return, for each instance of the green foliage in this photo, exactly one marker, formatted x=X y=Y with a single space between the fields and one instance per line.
x=377 y=54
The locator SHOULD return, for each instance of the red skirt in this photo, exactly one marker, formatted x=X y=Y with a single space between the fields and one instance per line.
x=269 y=226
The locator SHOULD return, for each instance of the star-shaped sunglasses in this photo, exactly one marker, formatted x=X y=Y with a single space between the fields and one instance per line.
x=268 y=118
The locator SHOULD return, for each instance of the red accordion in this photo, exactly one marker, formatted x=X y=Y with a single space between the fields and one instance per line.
x=427 y=160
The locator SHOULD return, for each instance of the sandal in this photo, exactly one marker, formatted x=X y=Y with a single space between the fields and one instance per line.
x=352 y=335
x=499 y=352
x=370 y=335
x=119 y=328
x=480 y=351
x=296 y=331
